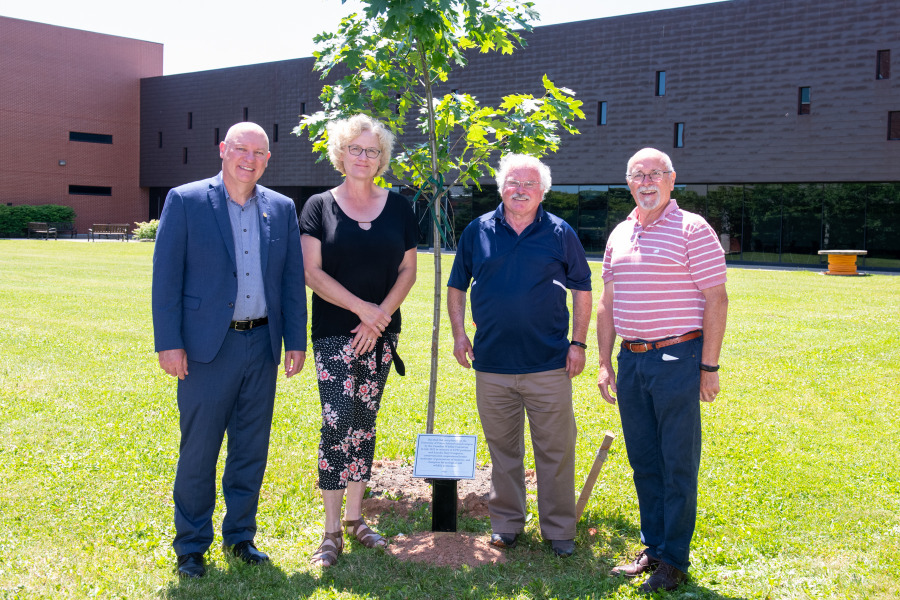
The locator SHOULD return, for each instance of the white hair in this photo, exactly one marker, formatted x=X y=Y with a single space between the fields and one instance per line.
x=651 y=152
x=520 y=161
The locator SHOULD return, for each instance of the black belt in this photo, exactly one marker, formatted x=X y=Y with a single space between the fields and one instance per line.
x=248 y=325
x=379 y=353
x=645 y=346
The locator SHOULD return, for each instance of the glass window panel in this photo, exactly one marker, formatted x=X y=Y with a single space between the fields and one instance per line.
x=691 y=197
x=725 y=205
x=894 y=125
x=487 y=199
x=619 y=205
x=762 y=223
x=801 y=223
x=803 y=104
x=883 y=226
x=592 y=230
x=883 y=68
x=660 y=83
x=562 y=201
x=460 y=211
x=844 y=216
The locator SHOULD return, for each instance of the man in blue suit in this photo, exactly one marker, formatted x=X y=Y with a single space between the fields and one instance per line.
x=228 y=287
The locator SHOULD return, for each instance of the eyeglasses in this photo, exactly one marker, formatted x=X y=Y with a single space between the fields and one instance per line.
x=655 y=176
x=528 y=185
x=370 y=152
x=244 y=151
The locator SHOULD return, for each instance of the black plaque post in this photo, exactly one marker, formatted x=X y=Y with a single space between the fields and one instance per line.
x=443 y=504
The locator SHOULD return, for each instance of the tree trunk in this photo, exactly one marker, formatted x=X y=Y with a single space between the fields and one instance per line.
x=436 y=197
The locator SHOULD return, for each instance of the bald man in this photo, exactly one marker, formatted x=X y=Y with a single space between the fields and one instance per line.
x=664 y=295
x=228 y=289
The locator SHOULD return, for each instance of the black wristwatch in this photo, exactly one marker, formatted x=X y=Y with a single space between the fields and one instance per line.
x=579 y=344
x=709 y=368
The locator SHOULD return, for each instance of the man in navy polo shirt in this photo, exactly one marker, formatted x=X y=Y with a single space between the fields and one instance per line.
x=520 y=261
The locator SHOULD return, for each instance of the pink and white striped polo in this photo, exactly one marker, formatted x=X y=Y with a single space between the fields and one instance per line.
x=659 y=271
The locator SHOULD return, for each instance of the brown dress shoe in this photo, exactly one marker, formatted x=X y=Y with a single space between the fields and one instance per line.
x=642 y=563
x=666 y=577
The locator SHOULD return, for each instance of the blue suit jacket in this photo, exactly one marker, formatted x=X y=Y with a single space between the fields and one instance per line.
x=195 y=275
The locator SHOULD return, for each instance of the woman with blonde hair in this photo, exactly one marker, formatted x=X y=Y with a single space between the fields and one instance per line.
x=359 y=256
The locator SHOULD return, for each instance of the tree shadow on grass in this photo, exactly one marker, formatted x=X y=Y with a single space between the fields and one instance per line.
x=530 y=570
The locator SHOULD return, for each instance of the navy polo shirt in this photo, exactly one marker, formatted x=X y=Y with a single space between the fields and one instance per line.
x=519 y=290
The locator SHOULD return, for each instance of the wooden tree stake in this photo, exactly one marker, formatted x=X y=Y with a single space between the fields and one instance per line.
x=592 y=476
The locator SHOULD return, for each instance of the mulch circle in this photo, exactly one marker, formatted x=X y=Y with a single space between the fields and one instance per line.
x=393 y=488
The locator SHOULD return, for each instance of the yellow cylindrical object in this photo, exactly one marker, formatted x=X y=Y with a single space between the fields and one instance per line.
x=842 y=264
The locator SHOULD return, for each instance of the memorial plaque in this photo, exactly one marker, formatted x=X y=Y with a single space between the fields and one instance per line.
x=444 y=456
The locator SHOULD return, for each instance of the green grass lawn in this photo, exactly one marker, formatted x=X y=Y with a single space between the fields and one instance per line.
x=800 y=481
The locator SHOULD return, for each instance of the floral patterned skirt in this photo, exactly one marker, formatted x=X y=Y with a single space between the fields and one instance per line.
x=350 y=389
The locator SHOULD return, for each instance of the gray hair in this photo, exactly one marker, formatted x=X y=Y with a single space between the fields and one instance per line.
x=344 y=131
x=650 y=152
x=520 y=161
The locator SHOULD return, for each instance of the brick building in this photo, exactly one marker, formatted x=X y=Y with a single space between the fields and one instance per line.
x=782 y=119
x=70 y=114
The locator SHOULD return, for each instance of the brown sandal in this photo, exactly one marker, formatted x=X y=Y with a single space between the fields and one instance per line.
x=328 y=551
x=364 y=534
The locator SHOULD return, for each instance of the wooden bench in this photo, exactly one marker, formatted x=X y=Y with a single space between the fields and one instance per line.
x=119 y=230
x=43 y=229
x=65 y=228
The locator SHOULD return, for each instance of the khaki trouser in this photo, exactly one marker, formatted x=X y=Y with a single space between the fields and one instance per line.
x=503 y=401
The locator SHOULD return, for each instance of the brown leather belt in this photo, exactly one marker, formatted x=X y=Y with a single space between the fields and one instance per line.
x=248 y=325
x=646 y=346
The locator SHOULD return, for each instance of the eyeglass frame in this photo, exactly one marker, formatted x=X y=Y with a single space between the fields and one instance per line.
x=362 y=150
x=631 y=176
x=525 y=185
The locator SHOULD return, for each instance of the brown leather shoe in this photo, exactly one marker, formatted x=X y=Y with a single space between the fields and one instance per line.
x=666 y=577
x=642 y=563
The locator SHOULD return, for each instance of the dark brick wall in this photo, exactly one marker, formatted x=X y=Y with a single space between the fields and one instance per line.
x=271 y=92
x=733 y=70
x=56 y=80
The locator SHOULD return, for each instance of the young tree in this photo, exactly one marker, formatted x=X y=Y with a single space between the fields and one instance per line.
x=397 y=53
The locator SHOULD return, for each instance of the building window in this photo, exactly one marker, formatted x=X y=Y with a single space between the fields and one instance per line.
x=883 y=66
x=93 y=138
x=660 y=83
x=894 y=125
x=246 y=114
x=90 y=190
x=217 y=137
x=803 y=101
x=679 y=135
x=190 y=120
x=275 y=132
x=302 y=108
x=184 y=156
x=160 y=139
x=601 y=113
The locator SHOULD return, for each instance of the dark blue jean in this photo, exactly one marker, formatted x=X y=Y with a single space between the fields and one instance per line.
x=659 y=403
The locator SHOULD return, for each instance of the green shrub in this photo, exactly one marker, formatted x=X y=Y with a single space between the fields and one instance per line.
x=146 y=230
x=14 y=220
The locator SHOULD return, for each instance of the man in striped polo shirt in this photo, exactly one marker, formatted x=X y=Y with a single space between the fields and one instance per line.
x=664 y=294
